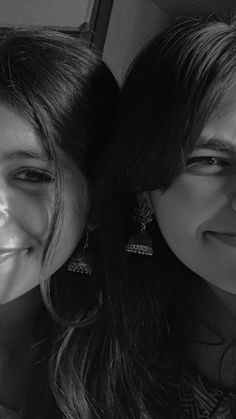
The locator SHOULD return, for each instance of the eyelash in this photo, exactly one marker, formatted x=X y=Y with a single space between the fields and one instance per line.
x=33 y=176
x=207 y=161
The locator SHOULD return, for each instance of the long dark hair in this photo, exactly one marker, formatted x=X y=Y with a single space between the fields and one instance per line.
x=62 y=88
x=170 y=92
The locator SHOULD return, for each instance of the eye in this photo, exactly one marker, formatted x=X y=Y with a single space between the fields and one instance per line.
x=207 y=164
x=33 y=176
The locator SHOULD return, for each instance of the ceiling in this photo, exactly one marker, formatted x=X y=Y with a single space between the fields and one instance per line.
x=175 y=8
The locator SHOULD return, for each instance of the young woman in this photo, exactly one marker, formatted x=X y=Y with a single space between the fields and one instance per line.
x=57 y=101
x=171 y=172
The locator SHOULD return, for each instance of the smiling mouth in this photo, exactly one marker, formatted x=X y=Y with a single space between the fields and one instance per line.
x=9 y=253
x=227 y=238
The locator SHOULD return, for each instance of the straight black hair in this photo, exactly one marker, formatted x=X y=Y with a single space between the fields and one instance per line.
x=170 y=91
x=61 y=87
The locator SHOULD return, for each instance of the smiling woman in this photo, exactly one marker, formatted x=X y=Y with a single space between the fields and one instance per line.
x=202 y=230
x=57 y=103
x=171 y=173
x=27 y=195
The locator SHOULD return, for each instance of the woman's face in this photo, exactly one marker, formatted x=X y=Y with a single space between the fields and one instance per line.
x=26 y=206
x=197 y=214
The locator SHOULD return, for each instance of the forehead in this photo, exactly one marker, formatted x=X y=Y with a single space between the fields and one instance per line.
x=222 y=123
x=16 y=132
x=19 y=140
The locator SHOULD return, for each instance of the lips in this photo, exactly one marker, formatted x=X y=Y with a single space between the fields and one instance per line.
x=11 y=249
x=227 y=238
x=8 y=253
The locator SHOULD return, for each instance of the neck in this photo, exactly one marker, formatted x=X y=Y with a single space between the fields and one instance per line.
x=18 y=318
x=19 y=332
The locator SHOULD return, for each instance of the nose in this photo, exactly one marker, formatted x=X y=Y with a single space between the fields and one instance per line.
x=4 y=209
x=9 y=231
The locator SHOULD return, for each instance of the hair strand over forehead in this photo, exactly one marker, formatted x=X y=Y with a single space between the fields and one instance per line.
x=170 y=92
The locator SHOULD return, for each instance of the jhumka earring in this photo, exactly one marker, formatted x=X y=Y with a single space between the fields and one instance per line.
x=82 y=263
x=141 y=242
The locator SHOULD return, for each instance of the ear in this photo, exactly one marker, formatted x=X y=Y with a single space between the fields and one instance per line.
x=144 y=199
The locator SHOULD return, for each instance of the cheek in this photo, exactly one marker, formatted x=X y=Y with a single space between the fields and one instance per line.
x=186 y=206
x=32 y=212
x=191 y=207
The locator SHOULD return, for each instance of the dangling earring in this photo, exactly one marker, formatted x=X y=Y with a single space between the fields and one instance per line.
x=141 y=242
x=82 y=262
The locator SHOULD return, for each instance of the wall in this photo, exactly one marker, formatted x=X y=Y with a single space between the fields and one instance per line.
x=132 y=23
x=67 y=13
x=174 y=8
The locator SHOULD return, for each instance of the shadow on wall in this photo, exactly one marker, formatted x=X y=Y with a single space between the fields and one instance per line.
x=175 y=8
x=132 y=24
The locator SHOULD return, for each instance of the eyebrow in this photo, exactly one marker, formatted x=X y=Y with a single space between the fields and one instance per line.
x=23 y=154
x=217 y=144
